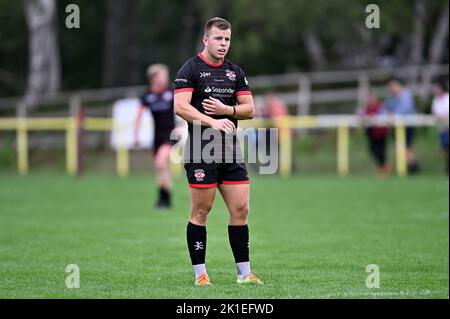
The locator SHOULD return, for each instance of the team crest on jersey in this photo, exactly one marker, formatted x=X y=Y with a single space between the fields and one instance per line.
x=199 y=175
x=230 y=75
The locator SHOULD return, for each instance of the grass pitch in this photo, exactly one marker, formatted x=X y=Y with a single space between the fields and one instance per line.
x=311 y=237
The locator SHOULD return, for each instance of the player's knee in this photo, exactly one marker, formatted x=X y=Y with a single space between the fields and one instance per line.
x=241 y=211
x=199 y=219
x=160 y=166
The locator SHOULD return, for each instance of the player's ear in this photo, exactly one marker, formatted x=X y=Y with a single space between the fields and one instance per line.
x=205 y=40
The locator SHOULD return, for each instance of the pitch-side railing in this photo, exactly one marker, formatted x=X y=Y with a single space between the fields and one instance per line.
x=342 y=123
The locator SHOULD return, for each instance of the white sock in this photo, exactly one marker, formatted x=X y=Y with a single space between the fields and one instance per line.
x=243 y=269
x=199 y=269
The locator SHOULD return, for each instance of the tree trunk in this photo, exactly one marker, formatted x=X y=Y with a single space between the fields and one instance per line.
x=118 y=37
x=134 y=73
x=439 y=37
x=418 y=35
x=44 y=66
x=314 y=49
x=189 y=35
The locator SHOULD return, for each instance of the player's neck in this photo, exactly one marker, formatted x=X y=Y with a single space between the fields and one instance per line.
x=209 y=59
x=157 y=90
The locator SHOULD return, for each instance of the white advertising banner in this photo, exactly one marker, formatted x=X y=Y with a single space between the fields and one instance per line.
x=124 y=116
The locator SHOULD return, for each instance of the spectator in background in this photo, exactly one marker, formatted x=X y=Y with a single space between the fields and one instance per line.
x=401 y=102
x=440 y=108
x=273 y=108
x=376 y=135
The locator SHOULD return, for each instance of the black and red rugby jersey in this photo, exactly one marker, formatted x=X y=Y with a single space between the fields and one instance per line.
x=223 y=81
x=161 y=106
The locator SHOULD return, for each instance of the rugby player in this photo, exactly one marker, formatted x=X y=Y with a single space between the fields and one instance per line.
x=159 y=100
x=211 y=93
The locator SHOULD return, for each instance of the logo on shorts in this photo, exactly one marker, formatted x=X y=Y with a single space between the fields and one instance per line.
x=230 y=75
x=199 y=175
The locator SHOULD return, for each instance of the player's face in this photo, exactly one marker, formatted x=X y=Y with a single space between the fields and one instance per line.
x=437 y=90
x=217 y=42
x=160 y=81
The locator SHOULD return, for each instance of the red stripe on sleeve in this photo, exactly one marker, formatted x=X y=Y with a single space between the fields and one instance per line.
x=183 y=90
x=243 y=93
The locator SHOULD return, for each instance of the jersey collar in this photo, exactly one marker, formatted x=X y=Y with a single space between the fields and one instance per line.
x=200 y=55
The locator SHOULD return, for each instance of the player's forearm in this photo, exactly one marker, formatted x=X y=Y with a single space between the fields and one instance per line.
x=137 y=122
x=191 y=114
x=243 y=111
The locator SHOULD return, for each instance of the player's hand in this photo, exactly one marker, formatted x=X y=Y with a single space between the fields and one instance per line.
x=224 y=125
x=213 y=106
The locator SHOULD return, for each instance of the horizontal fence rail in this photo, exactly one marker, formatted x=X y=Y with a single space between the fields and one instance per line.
x=302 y=87
x=342 y=123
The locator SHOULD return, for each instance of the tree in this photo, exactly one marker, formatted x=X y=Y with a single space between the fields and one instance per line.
x=188 y=32
x=439 y=37
x=419 y=32
x=314 y=48
x=119 y=37
x=44 y=67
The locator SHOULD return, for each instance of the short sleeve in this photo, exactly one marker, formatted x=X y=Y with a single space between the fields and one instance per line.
x=242 y=87
x=184 y=80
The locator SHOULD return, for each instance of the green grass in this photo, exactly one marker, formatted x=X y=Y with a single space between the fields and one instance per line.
x=311 y=237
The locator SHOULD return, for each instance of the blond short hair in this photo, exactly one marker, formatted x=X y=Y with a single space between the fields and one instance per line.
x=155 y=68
